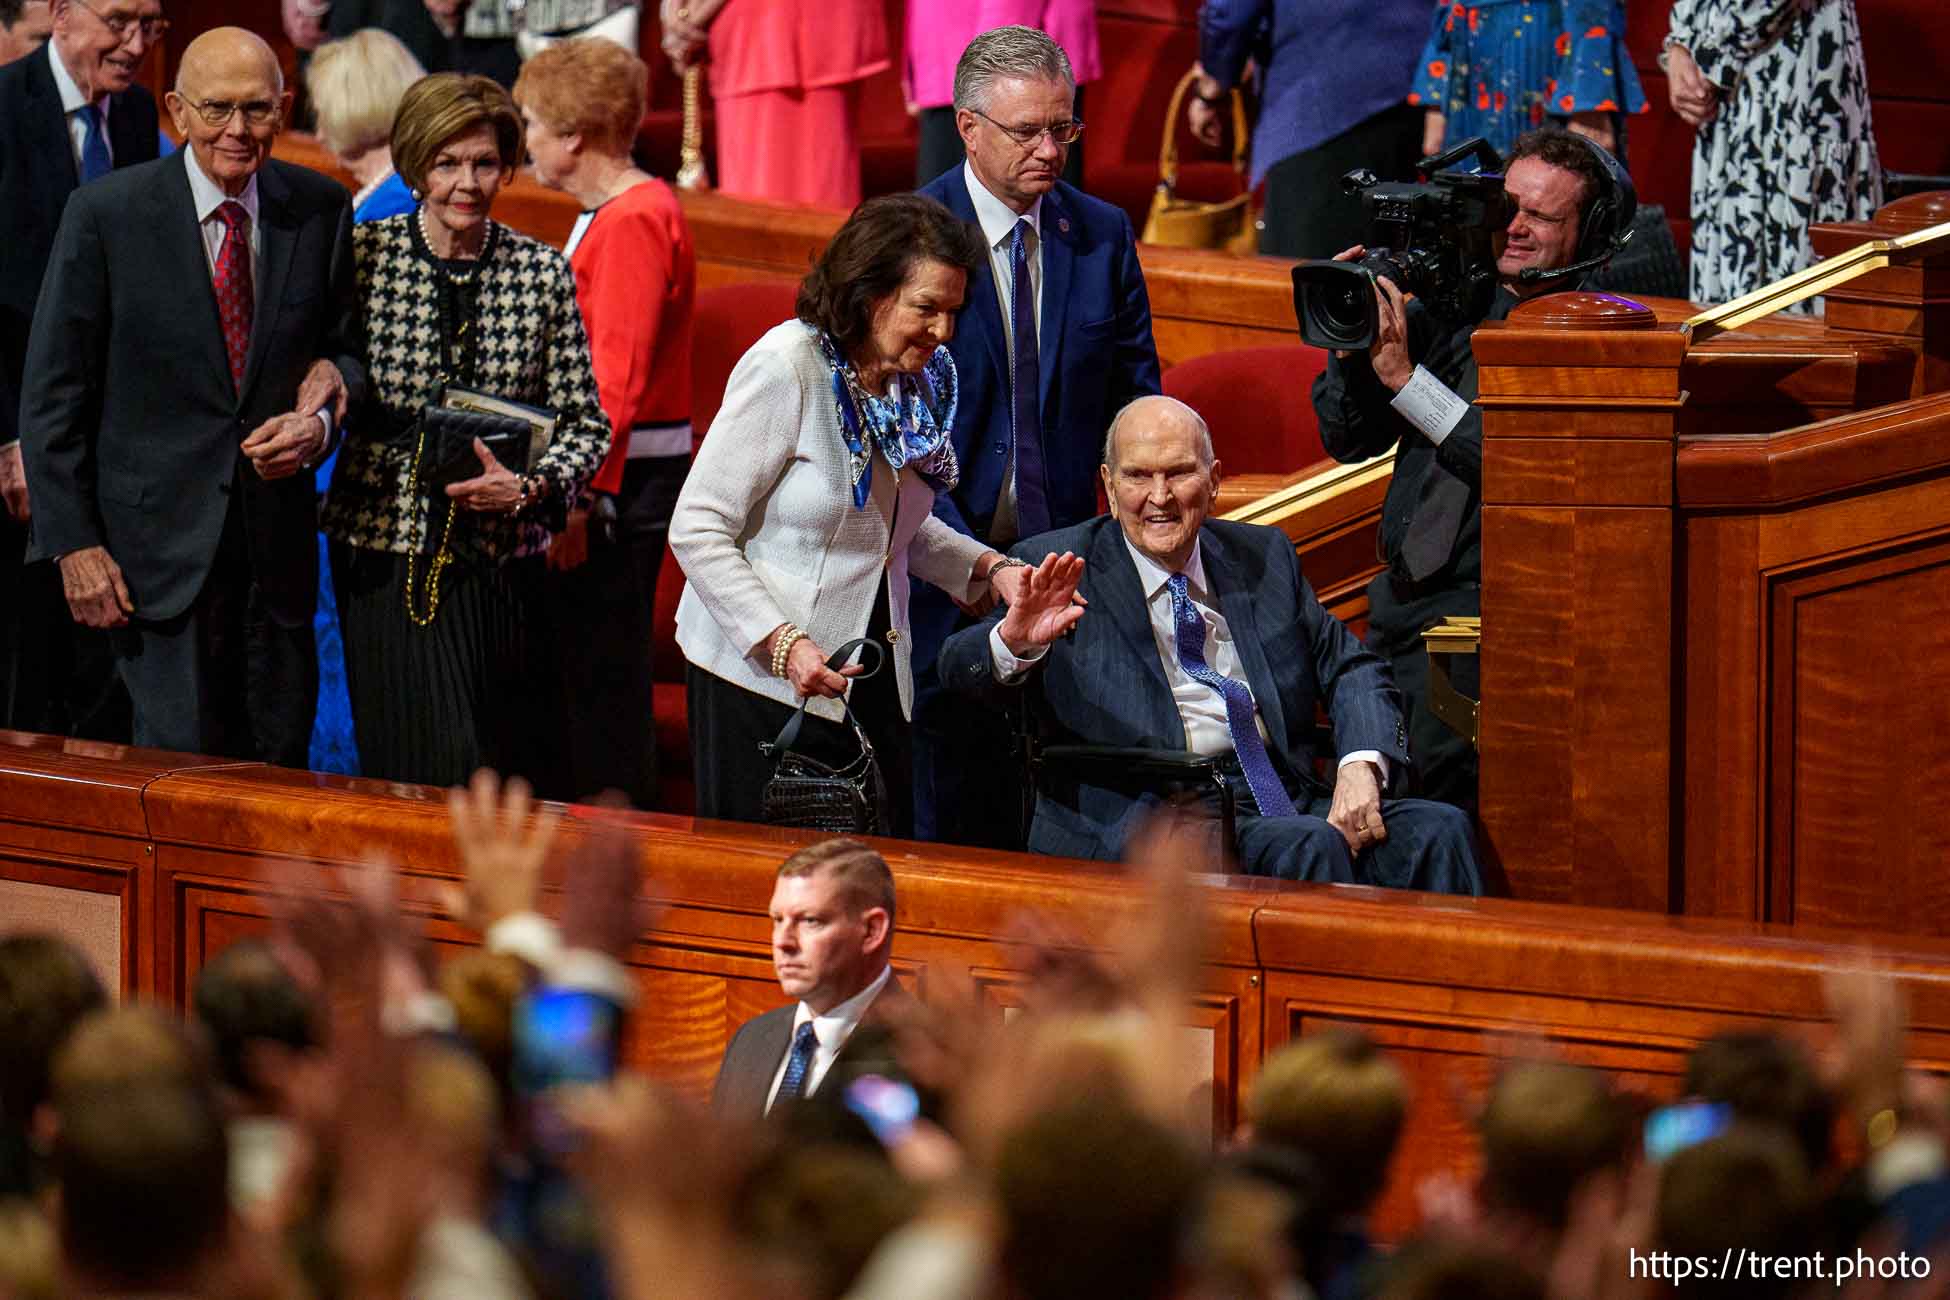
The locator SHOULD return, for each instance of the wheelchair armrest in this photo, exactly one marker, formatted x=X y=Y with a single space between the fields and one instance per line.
x=1132 y=762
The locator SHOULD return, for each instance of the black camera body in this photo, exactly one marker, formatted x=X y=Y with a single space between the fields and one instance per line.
x=1435 y=239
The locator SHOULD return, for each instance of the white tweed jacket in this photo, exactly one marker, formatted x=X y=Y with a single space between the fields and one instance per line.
x=766 y=530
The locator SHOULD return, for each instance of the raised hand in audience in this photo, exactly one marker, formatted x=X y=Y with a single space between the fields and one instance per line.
x=1048 y=604
x=662 y=1175
x=601 y=909
x=503 y=839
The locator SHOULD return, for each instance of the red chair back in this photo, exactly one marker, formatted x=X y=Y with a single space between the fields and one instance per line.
x=1258 y=403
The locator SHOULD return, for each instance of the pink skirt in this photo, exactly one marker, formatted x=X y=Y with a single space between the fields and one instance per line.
x=791 y=146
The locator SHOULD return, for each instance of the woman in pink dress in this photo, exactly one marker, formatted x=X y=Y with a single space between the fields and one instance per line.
x=785 y=84
x=939 y=30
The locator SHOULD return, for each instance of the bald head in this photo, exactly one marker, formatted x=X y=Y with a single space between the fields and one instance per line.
x=229 y=103
x=224 y=52
x=1161 y=477
x=1161 y=411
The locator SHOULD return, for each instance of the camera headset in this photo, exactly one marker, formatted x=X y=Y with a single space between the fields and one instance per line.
x=1604 y=225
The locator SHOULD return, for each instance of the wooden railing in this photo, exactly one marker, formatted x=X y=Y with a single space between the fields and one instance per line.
x=155 y=861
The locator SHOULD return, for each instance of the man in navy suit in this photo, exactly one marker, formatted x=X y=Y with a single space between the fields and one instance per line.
x=1194 y=633
x=70 y=112
x=1062 y=270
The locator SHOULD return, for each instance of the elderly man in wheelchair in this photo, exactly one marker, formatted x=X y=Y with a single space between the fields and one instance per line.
x=1160 y=647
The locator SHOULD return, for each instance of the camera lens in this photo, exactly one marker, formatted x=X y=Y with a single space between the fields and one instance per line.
x=1334 y=303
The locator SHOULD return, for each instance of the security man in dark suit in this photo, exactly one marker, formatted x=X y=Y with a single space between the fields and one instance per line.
x=193 y=350
x=70 y=112
x=832 y=930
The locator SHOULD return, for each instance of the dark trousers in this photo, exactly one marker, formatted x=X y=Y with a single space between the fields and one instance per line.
x=1428 y=845
x=1444 y=761
x=728 y=723
x=224 y=677
x=940 y=148
x=596 y=625
x=968 y=778
x=1307 y=213
x=56 y=676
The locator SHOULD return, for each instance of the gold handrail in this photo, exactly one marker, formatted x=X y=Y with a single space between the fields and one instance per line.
x=1276 y=507
x=1818 y=279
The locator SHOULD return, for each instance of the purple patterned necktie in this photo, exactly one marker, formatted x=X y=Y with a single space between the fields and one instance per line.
x=233 y=284
x=1268 y=792
x=799 y=1064
x=1026 y=417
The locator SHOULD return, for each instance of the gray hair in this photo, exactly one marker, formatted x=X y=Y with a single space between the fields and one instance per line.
x=1205 y=453
x=1008 y=52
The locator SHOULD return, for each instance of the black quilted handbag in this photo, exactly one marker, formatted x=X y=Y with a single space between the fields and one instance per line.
x=450 y=451
x=806 y=793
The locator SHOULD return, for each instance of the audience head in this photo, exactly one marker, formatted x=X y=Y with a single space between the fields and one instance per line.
x=1014 y=97
x=1457 y=1271
x=1747 y=1189
x=483 y=988
x=1335 y=1098
x=229 y=104
x=456 y=142
x=816 y=1211
x=102 y=42
x=249 y=1004
x=46 y=989
x=356 y=84
x=577 y=98
x=1550 y=177
x=1547 y=1128
x=890 y=281
x=1095 y=1198
x=1160 y=476
x=1767 y=1080
x=143 y=1170
x=452 y=1102
x=832 y=922
x=135 y=1046
x=24 y=25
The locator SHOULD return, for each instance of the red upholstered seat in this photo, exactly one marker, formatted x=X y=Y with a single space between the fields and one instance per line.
x=726 y=322
x=1259 y=404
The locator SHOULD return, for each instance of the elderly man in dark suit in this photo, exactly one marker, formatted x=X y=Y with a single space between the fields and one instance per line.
x=832 y=931
x=195 y=345
x=1063 y=273
x=70 y=112
x=1201 y=634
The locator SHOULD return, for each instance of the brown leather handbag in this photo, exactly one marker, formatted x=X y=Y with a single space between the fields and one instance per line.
x=1192 y=223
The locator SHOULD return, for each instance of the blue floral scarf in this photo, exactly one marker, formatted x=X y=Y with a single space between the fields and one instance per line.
x=910 y=425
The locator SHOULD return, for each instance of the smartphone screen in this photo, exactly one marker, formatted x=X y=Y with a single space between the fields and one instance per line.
x=562 y=1036
x=1674 y=1128
x=888 y=1106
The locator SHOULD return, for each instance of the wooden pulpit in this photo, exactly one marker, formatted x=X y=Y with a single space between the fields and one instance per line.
x=1716 y=601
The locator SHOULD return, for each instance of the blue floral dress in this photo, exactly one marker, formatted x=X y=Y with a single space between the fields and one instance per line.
x=1498 y=68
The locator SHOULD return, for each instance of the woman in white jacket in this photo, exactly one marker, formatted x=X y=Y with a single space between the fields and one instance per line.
x=811 y=502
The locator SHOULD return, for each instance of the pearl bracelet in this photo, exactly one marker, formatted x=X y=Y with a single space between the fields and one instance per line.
x=782 y=647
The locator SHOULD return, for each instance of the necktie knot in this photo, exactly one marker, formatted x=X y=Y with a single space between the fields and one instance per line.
x=798 y=1062
x=807 y=1039
x=95 y=162
x=234 y=217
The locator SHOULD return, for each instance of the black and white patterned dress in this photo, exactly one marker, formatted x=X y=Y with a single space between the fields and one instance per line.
x=1792 y=143
x=434 y=699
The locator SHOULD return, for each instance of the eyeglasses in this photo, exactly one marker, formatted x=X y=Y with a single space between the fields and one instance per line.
x=218 y=112
x=121 y=25
x=1028 y=137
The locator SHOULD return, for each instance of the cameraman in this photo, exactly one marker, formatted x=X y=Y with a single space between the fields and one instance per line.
x=1414 y=390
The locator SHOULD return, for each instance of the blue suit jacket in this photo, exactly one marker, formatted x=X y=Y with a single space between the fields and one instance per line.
x=1106 y=685
x=1096 y=353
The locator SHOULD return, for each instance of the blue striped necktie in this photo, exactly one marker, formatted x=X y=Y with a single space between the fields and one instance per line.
x=799 y=1064
x=95 y=162
x=1268 y=792
x=1026 y=385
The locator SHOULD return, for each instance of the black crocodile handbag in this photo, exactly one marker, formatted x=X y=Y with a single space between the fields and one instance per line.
x=804 y=792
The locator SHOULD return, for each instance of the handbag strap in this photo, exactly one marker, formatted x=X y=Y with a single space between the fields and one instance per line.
x=1168 y=148
x=789 y=735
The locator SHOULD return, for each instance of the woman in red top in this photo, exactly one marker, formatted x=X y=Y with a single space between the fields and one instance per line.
x=635 y=274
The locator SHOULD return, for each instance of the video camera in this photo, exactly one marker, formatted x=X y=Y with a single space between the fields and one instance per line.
x=1434 y=239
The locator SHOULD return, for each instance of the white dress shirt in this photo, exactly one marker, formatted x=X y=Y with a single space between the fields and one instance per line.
x=998 y=222
x=1200 y=708
x=71 y=100
x=832 y=1030
x=207 y=196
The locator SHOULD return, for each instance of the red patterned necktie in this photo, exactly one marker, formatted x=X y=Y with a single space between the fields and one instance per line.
x=233 y=284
